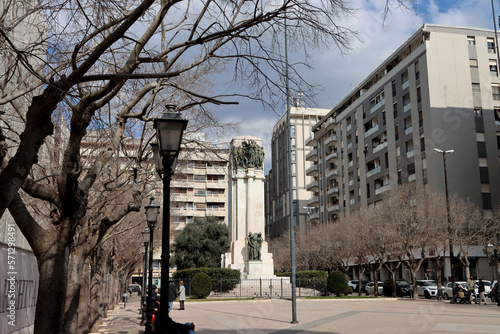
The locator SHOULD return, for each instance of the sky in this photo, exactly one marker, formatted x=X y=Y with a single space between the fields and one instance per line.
x=340 y=73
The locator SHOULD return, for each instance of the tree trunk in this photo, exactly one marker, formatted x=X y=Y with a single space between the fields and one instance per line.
x=73 y=292
x=52 y=266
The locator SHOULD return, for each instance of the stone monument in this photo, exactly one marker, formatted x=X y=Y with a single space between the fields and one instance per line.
x=249 y=251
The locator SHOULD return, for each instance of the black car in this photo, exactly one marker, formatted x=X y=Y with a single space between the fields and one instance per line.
x=403 y=288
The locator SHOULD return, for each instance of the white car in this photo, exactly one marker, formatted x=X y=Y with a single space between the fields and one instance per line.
x=427 y=288
x=448 y=291
x=370 y=288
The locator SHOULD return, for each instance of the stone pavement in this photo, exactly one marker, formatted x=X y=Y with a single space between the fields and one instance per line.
x=382 y=315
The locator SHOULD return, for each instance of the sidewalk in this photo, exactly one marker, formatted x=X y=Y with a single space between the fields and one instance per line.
x=315 y=316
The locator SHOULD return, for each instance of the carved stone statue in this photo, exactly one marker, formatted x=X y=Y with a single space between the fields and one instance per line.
x=254 y=242
x=248 y=155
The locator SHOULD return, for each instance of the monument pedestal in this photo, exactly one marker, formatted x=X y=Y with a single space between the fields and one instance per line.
x=246 y=209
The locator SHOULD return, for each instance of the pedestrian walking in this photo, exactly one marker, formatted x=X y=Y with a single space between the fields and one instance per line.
x=172 y=295
x=182 y=295
x=481 y=290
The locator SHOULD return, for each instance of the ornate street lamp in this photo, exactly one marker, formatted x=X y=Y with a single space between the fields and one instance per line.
x=169 y=130
x=144 y=251
x=152 y=211
x=452 y=266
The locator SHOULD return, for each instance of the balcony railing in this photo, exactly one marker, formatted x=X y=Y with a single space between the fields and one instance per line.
x=331 y=156
x=312 y=170
x=371 y=131
x=410 y=154
x=379 y=147
x=333 y=207
x=332 y=172
x=405 y=85
x=406 y=107
x=333 y=190
x=382 y=189
x=312 y=153
x=312 y=185
x=310 y=141
x=373 y=171
x=216 y=170
x=412 y=177
x=330 y=139
x=378 y=105
x=314 y=200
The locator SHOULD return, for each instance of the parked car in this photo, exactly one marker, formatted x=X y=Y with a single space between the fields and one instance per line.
x=134 y=288
x=403 y=288
x=370 y=288
x=353 y=284
x=427 y=288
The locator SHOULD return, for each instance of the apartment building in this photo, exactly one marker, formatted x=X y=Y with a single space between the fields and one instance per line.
x=199 y=185
x=277 y=186
x=440 y=89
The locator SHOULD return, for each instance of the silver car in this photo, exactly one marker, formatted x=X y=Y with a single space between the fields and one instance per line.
x=370 y=288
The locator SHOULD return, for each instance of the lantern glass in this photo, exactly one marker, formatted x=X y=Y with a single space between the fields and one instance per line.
x=157 y=158
x=169 y=130
x=145 y=236
x=152 y=211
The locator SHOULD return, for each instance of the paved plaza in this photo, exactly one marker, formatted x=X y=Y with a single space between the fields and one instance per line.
x=382 y=315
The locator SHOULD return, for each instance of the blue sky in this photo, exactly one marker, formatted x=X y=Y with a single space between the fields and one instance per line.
x=340 y=73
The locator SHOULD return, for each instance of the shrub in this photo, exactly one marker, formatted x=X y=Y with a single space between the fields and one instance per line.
x=201 y=285
x=337 y=283
x=223 y=279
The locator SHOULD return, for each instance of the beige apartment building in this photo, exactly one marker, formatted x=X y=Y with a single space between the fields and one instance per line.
x=199 y=185
x=277 y=186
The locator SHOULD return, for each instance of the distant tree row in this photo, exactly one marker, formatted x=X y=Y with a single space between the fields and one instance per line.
x=408 y=226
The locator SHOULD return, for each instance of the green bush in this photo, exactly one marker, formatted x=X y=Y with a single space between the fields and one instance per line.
x=337 y=283
x=201 y=285
x=223 y=279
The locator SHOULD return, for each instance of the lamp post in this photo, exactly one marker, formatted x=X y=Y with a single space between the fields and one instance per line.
x=144 y=250
x=452 y=266
x=309 y=210
x=493 y=252
x=152 y=210
x=169 y=130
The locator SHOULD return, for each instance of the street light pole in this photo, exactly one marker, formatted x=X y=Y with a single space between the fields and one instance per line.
x=169 y=130
x=452 y=266
x=152 y=210
x=144 y=248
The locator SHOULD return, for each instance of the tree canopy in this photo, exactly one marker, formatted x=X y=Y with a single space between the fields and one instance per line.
x=201 y=244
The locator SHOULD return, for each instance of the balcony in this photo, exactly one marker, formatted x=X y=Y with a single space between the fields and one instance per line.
x=379 y=147
x=182 y=184
x=310 y=141
x=313 y=201
x=333 y=191
x=331 y=156
x=412 y=177
x=405 y=85
x=349 y=145
x=382 y=189
x=216 y=171
x=348 y=127
x=371 y=131
x=211 y=184
x=312 y=186
x=333 y=208
x=350 y=163
x=378 y=105
x=408 y=130
x=351 y=183
x=182 y=197
x=373 y=171
x=330 y=122
x=410 y=154
x=352 y=201
x=179 y=212
x=332 y=172
x=312 y=155
x=314 y=216
x=330 y=139
x=312 y=171
x=407 y=107
x=220 y=198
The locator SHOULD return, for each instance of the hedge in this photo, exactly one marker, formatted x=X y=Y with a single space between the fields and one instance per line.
x=223 y=279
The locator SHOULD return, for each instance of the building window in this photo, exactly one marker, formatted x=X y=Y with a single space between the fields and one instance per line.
x=417 y=70
x=396 y=131
x=393 y=84
x=478 y=111
x=395 y=110
x=293 y=130
x=493 y=67
x=497 y=114
x=475 y=87
x=490 y=42
x=473 y=63
x=404 y=80
x=293 y=155
x=293 y=142
x=495 y=90
x=420 y=118
x=471 y=40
